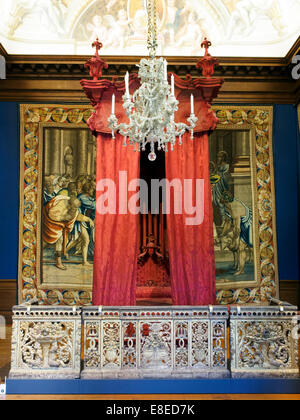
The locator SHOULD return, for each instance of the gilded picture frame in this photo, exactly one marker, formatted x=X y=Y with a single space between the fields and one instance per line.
x=33 y=118
x=259 y=121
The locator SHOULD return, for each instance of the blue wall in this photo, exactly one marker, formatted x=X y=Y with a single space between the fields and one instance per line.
x=286 y=162
x=9 y=181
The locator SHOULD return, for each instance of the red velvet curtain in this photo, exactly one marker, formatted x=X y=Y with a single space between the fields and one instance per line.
x=191 y=247
x=116 y=235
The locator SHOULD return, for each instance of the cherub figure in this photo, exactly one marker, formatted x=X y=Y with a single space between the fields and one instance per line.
x=194 y=34
x=97 y=29
x=245 y=15
x=118 y=30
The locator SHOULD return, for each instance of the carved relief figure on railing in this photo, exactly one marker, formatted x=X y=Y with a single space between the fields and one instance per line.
x=265 y=345
x=156 y=346
x=46 y=345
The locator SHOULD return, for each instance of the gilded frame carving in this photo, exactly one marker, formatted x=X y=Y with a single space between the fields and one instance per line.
x=33 y=118
x=257 y=119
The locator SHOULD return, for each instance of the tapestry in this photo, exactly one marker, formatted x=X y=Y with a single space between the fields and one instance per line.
x=68 y=206
x=231 y=182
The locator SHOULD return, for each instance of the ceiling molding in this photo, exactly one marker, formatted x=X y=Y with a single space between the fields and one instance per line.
x=293 y=51
x=76 y=70
x=3 y=51
x=49 y=78
x=132 y=60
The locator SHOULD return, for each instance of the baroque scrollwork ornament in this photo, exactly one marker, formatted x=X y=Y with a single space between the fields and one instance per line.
x=263 y=342
x=46 y=343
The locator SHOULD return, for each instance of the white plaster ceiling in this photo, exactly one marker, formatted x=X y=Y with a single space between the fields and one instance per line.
x=237 y=28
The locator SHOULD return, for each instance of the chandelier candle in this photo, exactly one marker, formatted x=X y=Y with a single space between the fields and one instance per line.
x=127 y=84
x=113 y=104
x=166 y=71
x=173 y=85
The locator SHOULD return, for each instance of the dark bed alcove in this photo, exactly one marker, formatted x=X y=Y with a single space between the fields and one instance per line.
x=153 y=279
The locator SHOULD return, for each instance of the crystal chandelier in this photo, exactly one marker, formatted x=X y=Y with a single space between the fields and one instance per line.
x=151 y=108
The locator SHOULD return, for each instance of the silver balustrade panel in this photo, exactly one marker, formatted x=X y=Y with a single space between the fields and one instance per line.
x=46 y=342
x=264 y=341
x=156 y=342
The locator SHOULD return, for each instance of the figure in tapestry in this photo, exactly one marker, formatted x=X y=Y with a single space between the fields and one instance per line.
x=231 y=183
x=69 y=203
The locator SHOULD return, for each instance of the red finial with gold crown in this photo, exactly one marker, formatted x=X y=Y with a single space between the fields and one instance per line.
x=96 y=64
x=207 y=63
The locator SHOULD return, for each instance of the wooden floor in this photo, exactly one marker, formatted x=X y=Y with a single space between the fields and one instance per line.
x=5 y=347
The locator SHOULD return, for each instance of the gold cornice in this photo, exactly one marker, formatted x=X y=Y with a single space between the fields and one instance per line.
x=70 y=91
x=132 y=60
x=57 y=78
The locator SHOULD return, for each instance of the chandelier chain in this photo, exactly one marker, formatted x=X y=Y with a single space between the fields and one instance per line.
x=152 y=27
x=151 y=109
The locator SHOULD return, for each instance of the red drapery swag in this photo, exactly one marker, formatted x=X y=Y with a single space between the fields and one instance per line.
x=191 y=246
x=116 y=235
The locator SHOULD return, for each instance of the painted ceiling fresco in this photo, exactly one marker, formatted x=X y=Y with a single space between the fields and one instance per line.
x=253 y=28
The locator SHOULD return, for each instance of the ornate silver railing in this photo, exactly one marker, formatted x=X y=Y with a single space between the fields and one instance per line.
x=154 y=342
